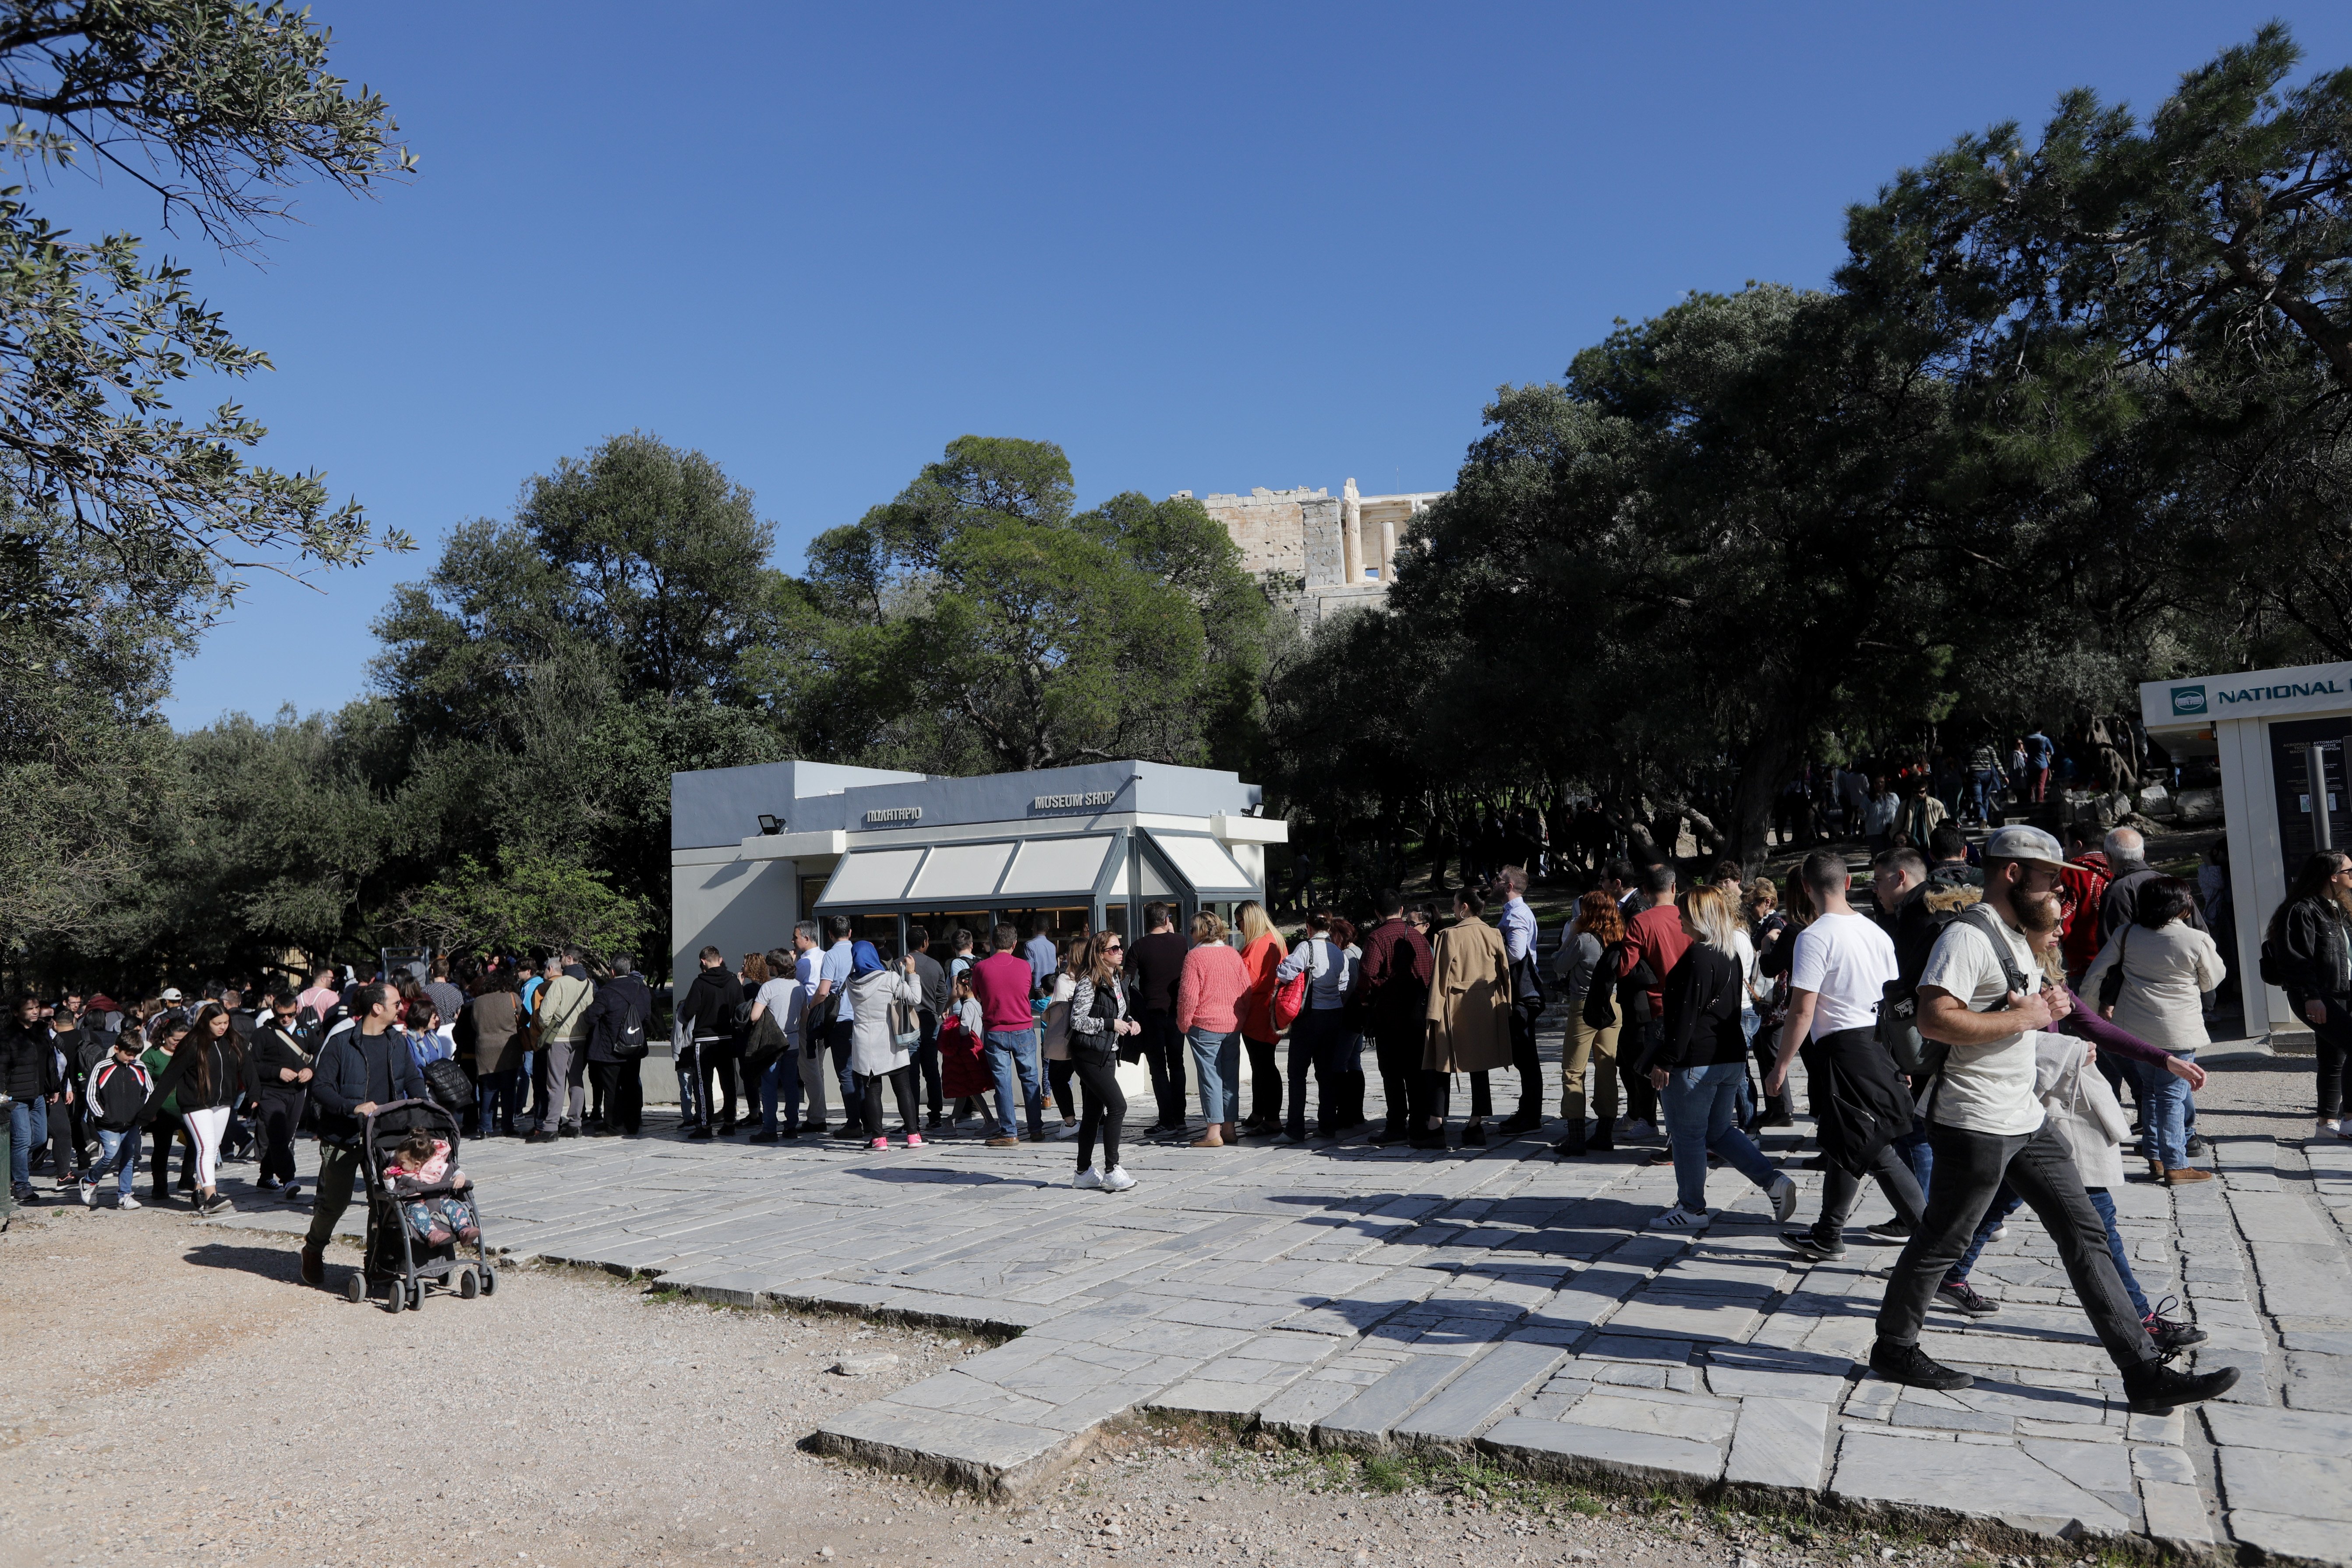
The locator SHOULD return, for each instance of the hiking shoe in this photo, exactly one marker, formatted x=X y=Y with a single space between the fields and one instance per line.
x=1961 y=1296
x=1783 y=1193
x=2152 y=1388
x=1004 y=1142
x=1807 y=1244
x=1087 y=1180
x=1678 y=1219
x=2172 y=1336
x=1914 y=1368
x=1116 y=1180
x=1887 y=1230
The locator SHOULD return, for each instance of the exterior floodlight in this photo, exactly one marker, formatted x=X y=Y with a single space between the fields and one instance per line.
x=770 y=826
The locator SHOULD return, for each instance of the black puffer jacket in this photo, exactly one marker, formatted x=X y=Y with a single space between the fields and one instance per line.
x=28 y=1062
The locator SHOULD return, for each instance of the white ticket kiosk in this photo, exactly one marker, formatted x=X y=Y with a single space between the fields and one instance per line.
x=2280 y=738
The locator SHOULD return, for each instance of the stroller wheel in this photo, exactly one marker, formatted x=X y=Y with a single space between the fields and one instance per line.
x=355 y=1288
x=416 y=1296
x=489 y=1279
x=395 y=1296
x=468 y=1284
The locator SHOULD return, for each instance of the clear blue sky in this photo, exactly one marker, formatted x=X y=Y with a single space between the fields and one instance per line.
x=1203 y=246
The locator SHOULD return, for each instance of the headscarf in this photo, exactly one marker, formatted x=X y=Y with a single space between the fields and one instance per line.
x=864 y=960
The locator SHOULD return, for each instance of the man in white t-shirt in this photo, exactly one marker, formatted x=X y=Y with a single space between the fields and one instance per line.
x=1983 y=995
x=1838 y=973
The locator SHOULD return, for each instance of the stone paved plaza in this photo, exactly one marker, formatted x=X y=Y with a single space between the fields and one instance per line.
x=1509 y=1302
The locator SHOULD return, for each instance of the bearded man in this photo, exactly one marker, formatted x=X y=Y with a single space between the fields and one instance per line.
x=1984 y=995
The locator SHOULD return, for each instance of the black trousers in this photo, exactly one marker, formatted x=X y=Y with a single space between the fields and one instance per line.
x=624 y=1092
x=718 y=1072
x=281 y=1114
x=927 y=1057
x=1641 y=1095
x=1105 y=1112
x=1892 y=1171
x=1397 y=1049
x=1058 y=1083
x=902 y=1084
x=1766 y=1050
x=2334 y=1039
x=168 y=1127
x=1164 y=1053
x=1265 y=1082
x=1314 y=1042
x=1525 y=1061
x=1969 y=1169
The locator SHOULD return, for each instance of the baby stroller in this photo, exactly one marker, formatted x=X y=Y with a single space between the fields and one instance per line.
x=397 y=1260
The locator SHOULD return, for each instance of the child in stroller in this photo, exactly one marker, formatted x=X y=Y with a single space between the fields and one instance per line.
x=419 y=1168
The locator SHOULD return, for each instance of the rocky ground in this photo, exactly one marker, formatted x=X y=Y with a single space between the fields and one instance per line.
x=177 y=1396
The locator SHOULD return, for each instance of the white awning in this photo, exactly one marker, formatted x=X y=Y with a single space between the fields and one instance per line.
x=1206 y=864
x=989 y=874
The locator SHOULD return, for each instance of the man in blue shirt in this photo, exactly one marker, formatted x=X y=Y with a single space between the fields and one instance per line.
x=1517 y=924
x=833 y=976
x=1043 y=960
x=806 y=1071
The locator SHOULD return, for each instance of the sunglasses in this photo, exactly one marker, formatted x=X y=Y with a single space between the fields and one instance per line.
x=1114 y=947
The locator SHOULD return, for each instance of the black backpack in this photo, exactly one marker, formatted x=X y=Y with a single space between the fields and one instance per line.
x=629 y=1033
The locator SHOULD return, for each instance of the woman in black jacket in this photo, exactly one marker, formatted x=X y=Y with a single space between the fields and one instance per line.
x=1701 y=1061
x=2308 y=950
x=208 y=1072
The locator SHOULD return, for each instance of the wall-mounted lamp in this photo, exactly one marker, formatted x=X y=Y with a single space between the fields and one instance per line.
x=770 y=826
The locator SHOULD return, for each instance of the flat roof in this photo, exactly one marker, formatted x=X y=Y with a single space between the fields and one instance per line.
x=715 y=807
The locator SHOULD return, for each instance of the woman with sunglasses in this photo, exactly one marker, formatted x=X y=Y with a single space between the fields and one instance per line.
x=1099 y=1021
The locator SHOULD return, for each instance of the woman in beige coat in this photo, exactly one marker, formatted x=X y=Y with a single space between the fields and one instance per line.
x=494 y=1019
x=1469 y=1008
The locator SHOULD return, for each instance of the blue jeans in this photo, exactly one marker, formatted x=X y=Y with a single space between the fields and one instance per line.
x=28 y=1127
x=121 y=1158
x=693 y=1106
x=1701 y=1107
x=494 y=1101
x=2107 y=1207
x=1315 y=1040
x=838 y=1039
x=1008 y=1052
x=779 y=1080
x=1988 y=784
x=1217 y=1063
x=2163 y=1105
x=1917 y=1154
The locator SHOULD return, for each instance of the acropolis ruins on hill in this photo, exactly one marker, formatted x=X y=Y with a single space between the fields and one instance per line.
x=1342 y=548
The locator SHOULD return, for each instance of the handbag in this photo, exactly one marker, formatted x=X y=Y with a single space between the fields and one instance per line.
x=906 y=1026
x=2111 y=983
x=446 y=1082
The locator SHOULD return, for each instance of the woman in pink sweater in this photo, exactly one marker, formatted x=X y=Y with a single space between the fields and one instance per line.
x=1208 y=994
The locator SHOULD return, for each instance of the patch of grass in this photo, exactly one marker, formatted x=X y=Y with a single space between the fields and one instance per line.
x=1387 y=1473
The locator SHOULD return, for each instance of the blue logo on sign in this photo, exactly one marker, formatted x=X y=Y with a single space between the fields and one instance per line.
x=2188 y=699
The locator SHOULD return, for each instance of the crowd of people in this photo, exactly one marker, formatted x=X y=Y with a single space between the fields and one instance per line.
x=1969 y=1044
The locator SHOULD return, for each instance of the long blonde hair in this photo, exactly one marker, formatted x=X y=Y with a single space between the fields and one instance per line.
x=1706 y=915
x=1251 y=920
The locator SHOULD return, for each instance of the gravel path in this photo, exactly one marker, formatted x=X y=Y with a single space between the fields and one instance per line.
x=198 y=1406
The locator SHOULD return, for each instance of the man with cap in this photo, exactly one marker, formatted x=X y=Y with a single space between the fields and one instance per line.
x=1983 y=996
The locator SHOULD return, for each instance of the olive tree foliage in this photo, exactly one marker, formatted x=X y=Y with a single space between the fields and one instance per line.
x=124 y=525
x=979 y=622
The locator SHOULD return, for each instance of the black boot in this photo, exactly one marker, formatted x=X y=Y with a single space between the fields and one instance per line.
x=1572 y=1146
x=2154 y=1388
x=1392 y=1130
x=1604 y=1136
x=1527 y=1119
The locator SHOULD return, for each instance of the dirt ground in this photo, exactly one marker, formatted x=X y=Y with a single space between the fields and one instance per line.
x=176 y=1396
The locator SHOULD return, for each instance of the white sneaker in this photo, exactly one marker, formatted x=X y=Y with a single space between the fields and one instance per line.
x=1086 y=1179
x=1116 y=1180
x=1783 y=1193
x=1680 y=1218
x=1067 y=1130
x=1999 y=1233
x=2330 y=1129
x=90 y=1194
x=127 y=1201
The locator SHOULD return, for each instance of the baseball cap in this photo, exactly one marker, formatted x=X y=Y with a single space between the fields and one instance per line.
x=2019 y=842
x=171 y=993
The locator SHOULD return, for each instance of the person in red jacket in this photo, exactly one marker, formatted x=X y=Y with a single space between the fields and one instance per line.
x=1654 y=936
x=2082 y=889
